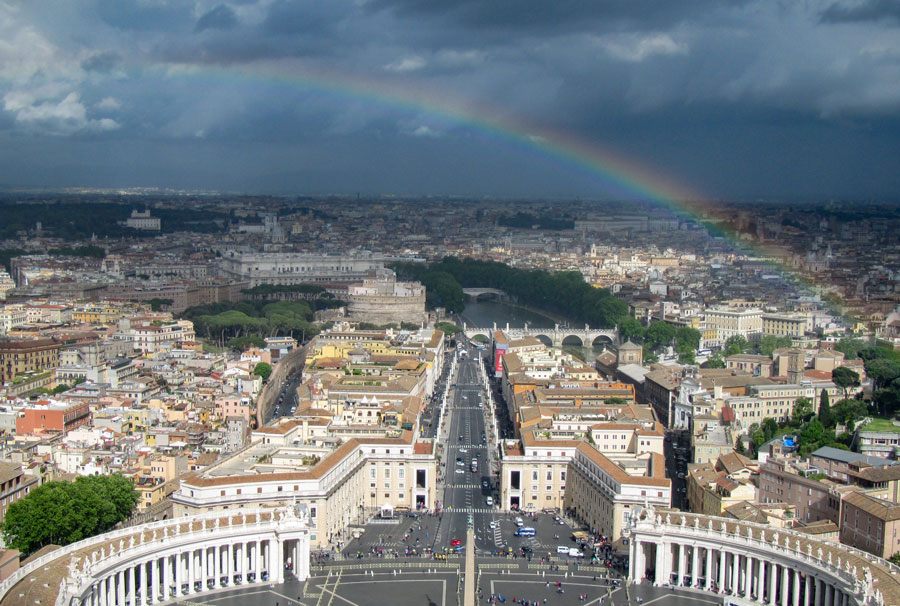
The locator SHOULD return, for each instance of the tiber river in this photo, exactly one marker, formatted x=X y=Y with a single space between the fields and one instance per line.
x=486 y=313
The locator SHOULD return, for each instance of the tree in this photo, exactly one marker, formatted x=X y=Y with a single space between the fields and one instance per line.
x=845 y=378
x=630 y=330
x=882 y=371
x=767 y=345
x=850 y=347
x=847 y=411
x=60 y=513
x=157 y=304
x=687 y=342
x=715 y=361
x=659 y=334
x=825 y=410
x=740 y=448
x=769 y=428
x=802 y=411
x=448 y=328
x=735 y=345
x=263 y=370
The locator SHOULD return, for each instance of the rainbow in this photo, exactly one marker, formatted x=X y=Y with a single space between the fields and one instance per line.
x=623 y=175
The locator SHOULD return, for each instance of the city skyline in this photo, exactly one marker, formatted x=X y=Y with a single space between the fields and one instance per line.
x=696 y=101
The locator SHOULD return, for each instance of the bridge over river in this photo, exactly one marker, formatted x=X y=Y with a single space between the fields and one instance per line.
x=556 y=336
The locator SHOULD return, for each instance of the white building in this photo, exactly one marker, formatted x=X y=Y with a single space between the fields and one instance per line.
x=143 y=221
x=298 y=268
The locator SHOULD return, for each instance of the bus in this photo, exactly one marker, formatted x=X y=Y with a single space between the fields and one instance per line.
x=525 y=531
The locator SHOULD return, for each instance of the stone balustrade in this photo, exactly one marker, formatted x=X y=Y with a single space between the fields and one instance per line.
x=160 y=561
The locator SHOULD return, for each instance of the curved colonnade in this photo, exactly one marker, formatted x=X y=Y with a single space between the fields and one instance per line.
x=755 y=564
x=160 y=561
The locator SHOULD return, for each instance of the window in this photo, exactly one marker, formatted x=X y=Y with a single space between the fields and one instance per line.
x=401 y=473
x=373 y=473
x=387 y=472
x=534 y=476
x=562 y=476
x=549 y=476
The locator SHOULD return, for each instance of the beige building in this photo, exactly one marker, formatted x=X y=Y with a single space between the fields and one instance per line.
x=601 y=488
x=784 y=325
x=340 y=486
x=14 y=485
x=604 y=493
x=730 y=322
x=870 y=524
x=713 y=488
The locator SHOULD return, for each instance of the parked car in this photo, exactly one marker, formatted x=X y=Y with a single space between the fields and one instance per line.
x=574 y=553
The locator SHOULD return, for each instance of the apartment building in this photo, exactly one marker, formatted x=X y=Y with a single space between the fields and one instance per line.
x=14 y=485
x=783 y=480
x=871 y=524
x=784 y=325
x=604 y=493
x=18 y=356
x=714 y=487
x=44 y=417
x=730 y=322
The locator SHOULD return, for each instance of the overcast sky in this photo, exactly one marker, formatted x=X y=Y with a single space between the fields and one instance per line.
x=729 y=98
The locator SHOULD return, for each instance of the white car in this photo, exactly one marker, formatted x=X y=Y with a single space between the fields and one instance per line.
x=574 y=553
x=458 y=470
x=494 y=525
x=519 y=522
x=489 y=501
x=562 y=549
x=463 y=450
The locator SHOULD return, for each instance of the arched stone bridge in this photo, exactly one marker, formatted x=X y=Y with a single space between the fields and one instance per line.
x=555 y=337
x=485 y=294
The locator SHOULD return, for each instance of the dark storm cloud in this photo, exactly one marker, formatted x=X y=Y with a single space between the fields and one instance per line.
x=557 y=15
x=867 y=10
x=221 y=17
x=144 y=16
x=305 y=17
x=735 y=97
x=103 y=61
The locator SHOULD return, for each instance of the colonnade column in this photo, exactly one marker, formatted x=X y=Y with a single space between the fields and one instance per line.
x=695 y=566
x=709 y=568
x=807 y=599
x=120 y=587
x=679 y=571
x=166 y=577
x=132 y=594
x=748 y=576
x=796 y=599
x=632 y=559
x=259 y=560
x=190 y=571
x=785 y=572
x=773 y=583
x=760 y=580
x=829 y=594
x=735 y=572
x=723 y=561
